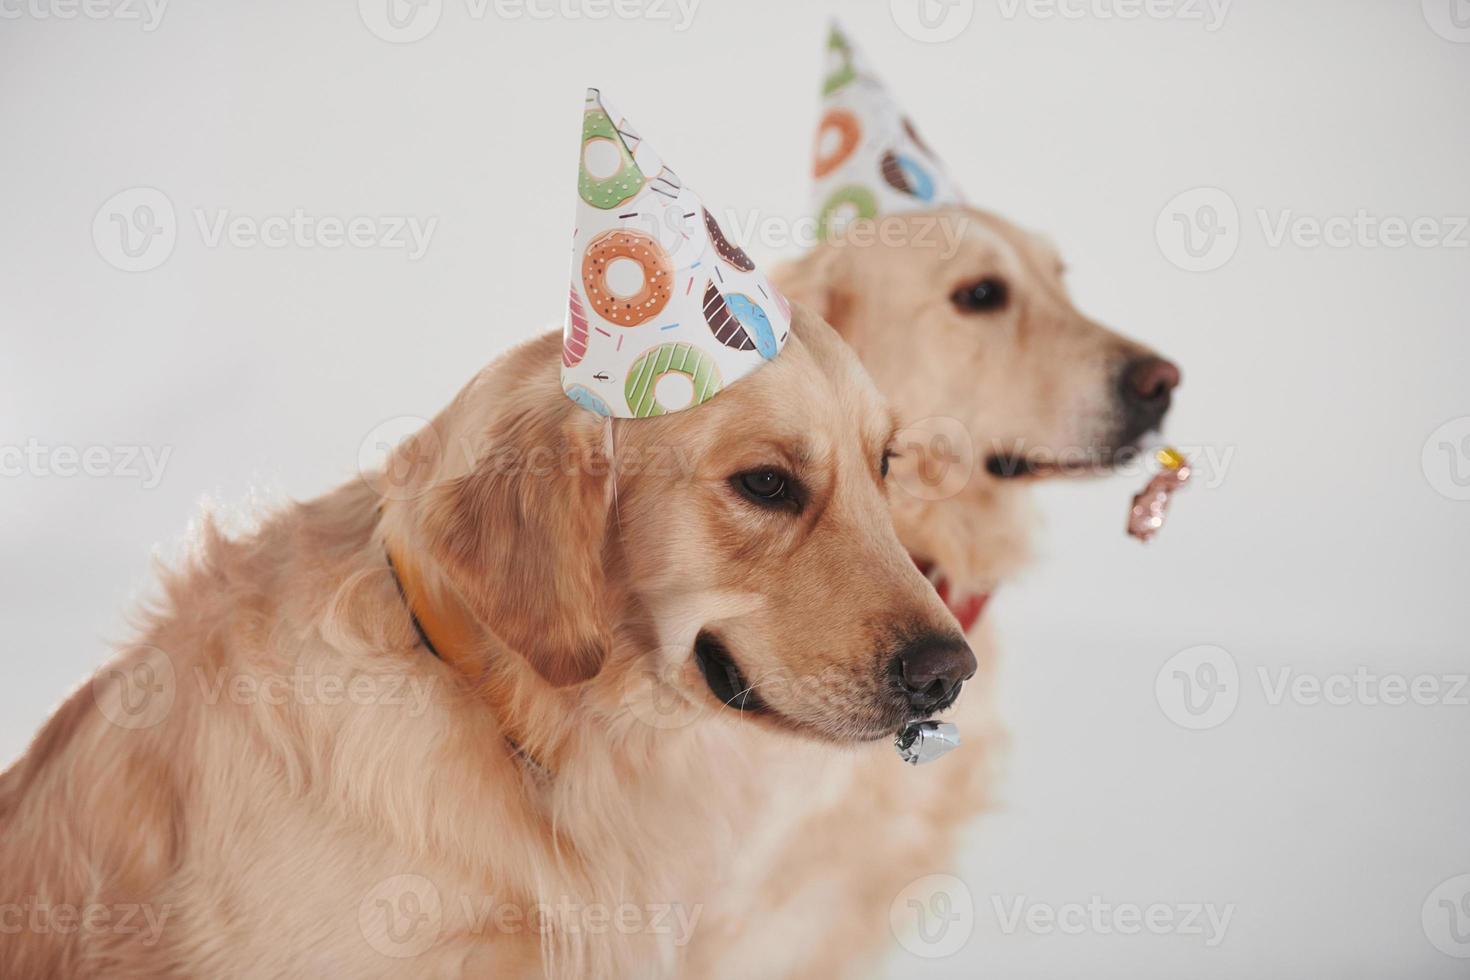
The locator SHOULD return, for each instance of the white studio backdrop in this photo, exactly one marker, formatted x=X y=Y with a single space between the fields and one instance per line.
x=1325 y=376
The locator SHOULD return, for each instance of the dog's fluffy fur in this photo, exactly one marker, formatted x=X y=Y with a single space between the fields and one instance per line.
x=279 y=767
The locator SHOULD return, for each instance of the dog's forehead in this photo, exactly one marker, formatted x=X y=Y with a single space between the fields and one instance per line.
x=815 y=396
x=825 y=375
x=988 y=235
x=984 y=236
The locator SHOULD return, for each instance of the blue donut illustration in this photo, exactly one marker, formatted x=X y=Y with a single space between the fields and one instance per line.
x=902 y=173
x=737 y=322
x=588 y=400
x=755 y=322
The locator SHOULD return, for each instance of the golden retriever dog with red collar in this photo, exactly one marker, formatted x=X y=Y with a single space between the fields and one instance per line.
x=1002 y=382
x=531 y=702
x=964 y=321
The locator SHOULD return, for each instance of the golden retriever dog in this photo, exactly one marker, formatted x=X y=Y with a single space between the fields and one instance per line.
x=536 y=700
x=966 y=326
x=964 y=322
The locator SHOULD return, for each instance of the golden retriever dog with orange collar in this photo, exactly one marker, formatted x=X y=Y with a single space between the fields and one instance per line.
x=534 y=701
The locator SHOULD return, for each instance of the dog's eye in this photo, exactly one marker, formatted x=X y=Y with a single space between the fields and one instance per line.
x=765 y=487
x=984 y=296
x=883 y=463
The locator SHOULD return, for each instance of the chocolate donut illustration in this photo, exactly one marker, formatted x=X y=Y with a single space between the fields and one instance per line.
x=587 y=400
x=843 y=126
x=846 y=204
x=903 y=174
x=574 y=343
x=653 y=366
x=738 y=322
x=644 y=251
x=600 y=137
x=731 y=253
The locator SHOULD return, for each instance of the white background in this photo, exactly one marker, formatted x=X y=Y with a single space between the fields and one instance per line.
x=1326 y=544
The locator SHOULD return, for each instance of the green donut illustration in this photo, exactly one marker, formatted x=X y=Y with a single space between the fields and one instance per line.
x=854 y=196
x=672 y=358
x=608 y=192
x=844 y=72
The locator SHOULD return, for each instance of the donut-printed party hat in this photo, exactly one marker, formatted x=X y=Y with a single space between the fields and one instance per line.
x=664 y=310
x=869 y=158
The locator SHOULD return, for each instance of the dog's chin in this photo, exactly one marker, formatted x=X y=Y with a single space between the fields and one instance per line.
x=729 y=685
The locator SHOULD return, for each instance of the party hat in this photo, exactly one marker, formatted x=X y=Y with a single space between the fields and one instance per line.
x=664 y=310
x=869 y=160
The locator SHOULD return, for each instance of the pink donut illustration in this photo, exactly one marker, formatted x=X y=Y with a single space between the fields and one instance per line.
x=574 y=344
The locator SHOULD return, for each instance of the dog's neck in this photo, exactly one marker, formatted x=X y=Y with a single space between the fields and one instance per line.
x=449 y=631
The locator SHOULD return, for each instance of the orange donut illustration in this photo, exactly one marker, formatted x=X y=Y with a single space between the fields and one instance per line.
x=629 y=307
x=847 y=131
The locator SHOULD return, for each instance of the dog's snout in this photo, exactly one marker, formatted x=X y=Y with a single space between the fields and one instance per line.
x=931 y=669
x=1150 y=380
x=1147 y=386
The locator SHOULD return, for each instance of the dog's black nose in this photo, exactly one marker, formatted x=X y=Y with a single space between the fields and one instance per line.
x=1149 y=380
x=1146 y=387
x=931 y=669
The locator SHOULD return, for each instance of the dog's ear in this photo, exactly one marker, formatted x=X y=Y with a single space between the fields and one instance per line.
x=521 y=536
x=818 y=281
